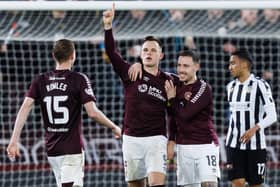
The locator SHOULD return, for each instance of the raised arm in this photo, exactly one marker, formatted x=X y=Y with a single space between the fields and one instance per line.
x=13 y=149
x=120 y=66
x=98 y=116
x=108 y=17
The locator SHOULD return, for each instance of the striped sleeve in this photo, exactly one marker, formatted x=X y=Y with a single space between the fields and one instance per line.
x=268 y=104
x=265 y=91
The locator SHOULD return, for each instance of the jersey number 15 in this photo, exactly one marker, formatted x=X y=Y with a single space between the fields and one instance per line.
x=53 y=106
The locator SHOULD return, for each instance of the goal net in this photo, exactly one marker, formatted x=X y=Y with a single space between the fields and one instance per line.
x=213 y=28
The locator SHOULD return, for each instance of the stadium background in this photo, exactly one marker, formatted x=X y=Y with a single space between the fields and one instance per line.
x=26 y=42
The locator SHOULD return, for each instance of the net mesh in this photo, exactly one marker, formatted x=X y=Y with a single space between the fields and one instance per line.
x=26 y=42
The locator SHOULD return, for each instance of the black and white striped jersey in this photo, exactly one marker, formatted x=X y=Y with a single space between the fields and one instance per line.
x=250 y=103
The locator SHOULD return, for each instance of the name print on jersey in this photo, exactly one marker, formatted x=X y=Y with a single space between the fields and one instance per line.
x=56 y=86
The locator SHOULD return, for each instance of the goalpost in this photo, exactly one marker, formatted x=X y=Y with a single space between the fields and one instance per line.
x=29 y=28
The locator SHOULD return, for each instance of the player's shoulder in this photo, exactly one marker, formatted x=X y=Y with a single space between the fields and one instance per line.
x=173 y=77
x=203 y=91
x=262 y=83
x=203 y=82
x=79 y=75
x=204 y=85
x=41 y=76
x=259 y=80
x=165 y=75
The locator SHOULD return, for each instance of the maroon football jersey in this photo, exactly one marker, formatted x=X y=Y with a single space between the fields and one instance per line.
x=61 y=94
x=192 y=109
x=145 y=100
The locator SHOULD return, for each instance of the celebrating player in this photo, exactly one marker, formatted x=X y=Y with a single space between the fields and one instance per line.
x=193 y=131
x=61 y=94
x=191 y=127
x=144 y=139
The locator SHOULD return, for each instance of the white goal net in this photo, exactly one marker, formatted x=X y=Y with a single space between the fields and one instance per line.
x=26 y=39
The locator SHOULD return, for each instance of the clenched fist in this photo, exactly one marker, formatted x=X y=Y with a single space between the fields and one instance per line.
x=108 y=17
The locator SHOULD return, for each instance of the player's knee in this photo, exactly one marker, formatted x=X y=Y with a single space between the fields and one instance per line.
x=156 y=179
x=137 y=183
x=209 y=184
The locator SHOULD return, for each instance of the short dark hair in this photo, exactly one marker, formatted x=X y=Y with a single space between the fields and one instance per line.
x=244 y=55
x=63 y=49
x=152 y=38
x=191 y=53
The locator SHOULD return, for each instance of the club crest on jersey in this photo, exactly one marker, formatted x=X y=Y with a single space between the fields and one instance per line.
x=249 y=89
x=143 y=88
x=188 y=95
x=89 y=91
x=182 y=104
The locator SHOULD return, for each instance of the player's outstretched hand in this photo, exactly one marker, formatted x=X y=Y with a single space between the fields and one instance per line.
x=108 y=17
x=13 y=151
x=117 y=131
x=135 y=71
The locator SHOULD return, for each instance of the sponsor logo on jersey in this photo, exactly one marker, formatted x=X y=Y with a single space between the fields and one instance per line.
x=57 y=129
x=156 y=93
x=56 y=78
x=153 y=91
x=146 y=78
x=182 y=104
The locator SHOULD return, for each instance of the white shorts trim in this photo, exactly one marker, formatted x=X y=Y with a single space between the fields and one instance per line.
x=68 y=168
x=197 y=163
x=143 y=155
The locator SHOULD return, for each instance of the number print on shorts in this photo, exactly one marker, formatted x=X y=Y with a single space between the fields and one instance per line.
x=212 y=160
x=261 y=168
x=53 y=105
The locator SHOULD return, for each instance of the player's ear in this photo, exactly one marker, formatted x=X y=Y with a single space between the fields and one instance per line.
x=54 y=57
x=161 y=56
x=197 y=65
x=72 y=56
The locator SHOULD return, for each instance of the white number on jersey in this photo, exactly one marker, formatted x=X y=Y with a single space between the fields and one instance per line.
x=261 y=168
x=53 y=105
